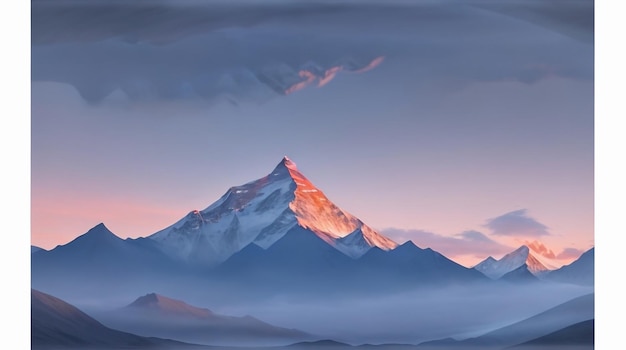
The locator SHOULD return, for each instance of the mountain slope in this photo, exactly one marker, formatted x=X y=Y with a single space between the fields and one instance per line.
x=520 y=274
x=409 y=264
x=160 y=316
x=102 y=261
x=578 y=334
x=99 y=247
x=55 y=323
x=495 y=269
x=563 y=315
x=300 y=261
x=262 y=212
x=159 y=304
x=581 y=271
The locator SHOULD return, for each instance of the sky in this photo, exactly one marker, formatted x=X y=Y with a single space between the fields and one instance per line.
x=465 y=128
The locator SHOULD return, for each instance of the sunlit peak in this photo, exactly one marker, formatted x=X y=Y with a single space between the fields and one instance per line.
x=289 y=163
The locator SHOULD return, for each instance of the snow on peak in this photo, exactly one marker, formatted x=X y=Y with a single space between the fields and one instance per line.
x=261 y=212
x=288 y=163
x=497 y=268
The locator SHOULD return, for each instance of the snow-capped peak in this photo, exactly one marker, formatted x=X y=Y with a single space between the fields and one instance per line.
x=497 y=268
x=262 y=212
x=288 y=163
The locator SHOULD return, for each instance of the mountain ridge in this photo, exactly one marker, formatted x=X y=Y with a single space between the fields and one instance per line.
x=261 y=212
x=497 y=268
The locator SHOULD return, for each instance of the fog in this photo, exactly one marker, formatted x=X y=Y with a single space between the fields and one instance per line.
x=412 y=317
x=409 y=317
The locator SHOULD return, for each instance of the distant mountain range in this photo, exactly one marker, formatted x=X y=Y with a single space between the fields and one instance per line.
x=495 y=269
x=521 y=265
x=56 y=324
x=159 y=316
x=578 y=336
x=543 y=324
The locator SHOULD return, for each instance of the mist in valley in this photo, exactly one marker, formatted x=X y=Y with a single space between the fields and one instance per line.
x=409 y=317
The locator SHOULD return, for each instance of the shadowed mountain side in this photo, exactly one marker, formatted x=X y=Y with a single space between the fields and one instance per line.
x=563 y=315
x=520 y=275
x=579 y=335
x=100 y=248
x=580 y=272
x=413 y=265
x=103 y=262
x=57 y=324
x=301 y=262
x=299 y=256
x=160 y=316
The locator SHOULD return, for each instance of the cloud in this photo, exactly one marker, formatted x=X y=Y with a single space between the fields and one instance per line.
x=540 y=249
x=285 y=80
x=569 y=253
x=471 y=243
x=516 y=223
x=256 y=52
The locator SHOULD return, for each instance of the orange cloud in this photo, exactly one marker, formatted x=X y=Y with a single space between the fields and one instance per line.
x=540 y=249
x=371 y=65
x=308 y=76
x=329 y=75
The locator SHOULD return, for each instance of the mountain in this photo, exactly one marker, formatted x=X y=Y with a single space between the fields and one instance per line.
x=300 y=252
x=581 y=271
x=571 y=312
x=158 y=304
x=300 y=263
x=578 y=335
x=495 y=269
x=159 y=316
x=411 y=265
x=520 y=274
x=35 y=249
x=57 y=324
x=304 y=264
x=100 y=257
x=262 y=212
x=99 y=246
x=275 y=235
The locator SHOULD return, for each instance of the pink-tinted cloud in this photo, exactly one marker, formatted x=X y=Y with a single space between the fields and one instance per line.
x=329 y=75
x=371 y=65
x=540 y=249
x=472 y=243
x=569 y=254
x=516 y=224
x=310 y=75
